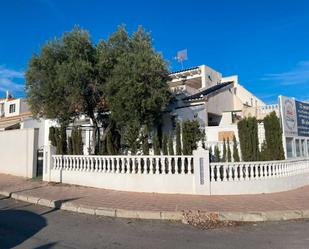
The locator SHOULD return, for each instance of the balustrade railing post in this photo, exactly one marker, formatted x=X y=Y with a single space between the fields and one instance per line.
x=48 y=162
x=201 y=171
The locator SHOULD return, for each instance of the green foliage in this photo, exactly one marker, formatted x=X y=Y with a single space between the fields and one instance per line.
x=203 y=139
x=191 y=134
x=136 y=89
x=156 y=144
x=145 y=143
x=103 y=148
x=70 y=146
x=71 y=76
x=170 y=145
x=248 y=138
x=53 y=136
x=229 y=155
x=264 y=154
x=210 y=153
x=58 y=138
x=131 y=136
x=235 y=150
x=273 y=149
x=223 y=159
x=178 y=139
x=63 y=147
x=164 y=144
x=110 y=145
x=61 y=80
x=217 y=154
x=77 y=142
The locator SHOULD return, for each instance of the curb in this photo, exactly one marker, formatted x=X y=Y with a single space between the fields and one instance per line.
x=250 y=216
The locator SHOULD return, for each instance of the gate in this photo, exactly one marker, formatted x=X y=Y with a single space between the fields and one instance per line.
x=39 y=164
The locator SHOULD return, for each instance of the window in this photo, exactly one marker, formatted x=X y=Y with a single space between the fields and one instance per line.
x=289 y=147
x=12 y=108
x=303 y=146
x=297 y=143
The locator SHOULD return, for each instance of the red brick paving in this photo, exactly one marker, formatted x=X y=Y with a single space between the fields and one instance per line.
x=290 y=200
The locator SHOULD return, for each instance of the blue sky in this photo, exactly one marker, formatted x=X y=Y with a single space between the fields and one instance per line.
x=265 y=42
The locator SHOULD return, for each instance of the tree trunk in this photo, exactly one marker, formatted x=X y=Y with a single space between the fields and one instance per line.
x=95 y=135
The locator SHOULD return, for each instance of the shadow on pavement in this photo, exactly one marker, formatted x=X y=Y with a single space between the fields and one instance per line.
x=16 y=226
x=47 y=246
x=58 y=204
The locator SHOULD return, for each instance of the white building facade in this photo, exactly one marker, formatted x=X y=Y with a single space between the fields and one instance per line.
x=217 y=102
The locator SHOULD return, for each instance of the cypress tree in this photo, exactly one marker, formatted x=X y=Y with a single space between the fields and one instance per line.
x=224 y=151
x=63 y=140
x=70 y=146
x=60 y=139
x=229 y=156
x=243 y=138
x=79 y=146
x=77 y=141
x=264 y=154
x=110 y=145
x=235 y=150
x=156 y=144
x=145 y=144
x=74 y=141
x=210 y=154
x=178 y=139
x=255 y=139
x=217 y=154
x=52 y=136
x=273 y=137
x=191 y=134
x=248 y=138
x=103 y=147
x=164 y=144
x=170 y=145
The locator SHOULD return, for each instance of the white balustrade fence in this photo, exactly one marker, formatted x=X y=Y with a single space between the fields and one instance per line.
x=258 y=177
x=162 y=174
x=125 y=164
x=177 y=174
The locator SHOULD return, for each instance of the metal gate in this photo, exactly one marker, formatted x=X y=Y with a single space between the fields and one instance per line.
x=39 y=164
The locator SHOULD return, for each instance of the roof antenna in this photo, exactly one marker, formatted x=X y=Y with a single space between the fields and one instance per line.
x=182 y=56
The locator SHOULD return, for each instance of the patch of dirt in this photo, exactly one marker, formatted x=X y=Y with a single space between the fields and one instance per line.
x=205 y=220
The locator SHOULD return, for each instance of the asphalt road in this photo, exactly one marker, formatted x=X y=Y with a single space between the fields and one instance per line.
x=23 y=225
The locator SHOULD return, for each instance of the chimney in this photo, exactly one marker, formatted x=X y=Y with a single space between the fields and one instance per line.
x=7 y=95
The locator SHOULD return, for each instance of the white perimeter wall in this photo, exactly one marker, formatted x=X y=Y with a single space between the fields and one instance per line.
x=18 y=152
x=172 y=184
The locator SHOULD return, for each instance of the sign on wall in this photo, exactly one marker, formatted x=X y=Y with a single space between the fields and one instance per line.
x=295 y=117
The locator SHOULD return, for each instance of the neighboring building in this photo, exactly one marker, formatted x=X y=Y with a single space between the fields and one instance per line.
x=295 y=126
x=15 y=114
x=12 y=111
x=217 y=102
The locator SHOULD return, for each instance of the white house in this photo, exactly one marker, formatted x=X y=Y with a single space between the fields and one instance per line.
x=217 y=102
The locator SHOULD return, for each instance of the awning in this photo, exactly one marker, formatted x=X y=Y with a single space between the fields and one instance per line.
x=207 y=91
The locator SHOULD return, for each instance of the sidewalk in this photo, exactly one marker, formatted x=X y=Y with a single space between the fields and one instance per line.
x=280 y=206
